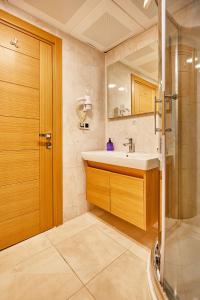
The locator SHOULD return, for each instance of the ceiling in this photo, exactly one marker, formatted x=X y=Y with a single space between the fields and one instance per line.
x=101 y=23
x=144 y=61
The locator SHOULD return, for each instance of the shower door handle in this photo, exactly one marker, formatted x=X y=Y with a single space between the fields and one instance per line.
x=156 y=101
x=169 y=99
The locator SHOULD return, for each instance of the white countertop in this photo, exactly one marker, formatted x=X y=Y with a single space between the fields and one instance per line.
x=136 y=160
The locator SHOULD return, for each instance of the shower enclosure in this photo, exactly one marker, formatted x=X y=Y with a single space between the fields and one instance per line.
x=179 y=240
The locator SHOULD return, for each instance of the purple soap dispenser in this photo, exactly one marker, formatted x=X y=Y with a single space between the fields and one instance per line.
x=110 y=146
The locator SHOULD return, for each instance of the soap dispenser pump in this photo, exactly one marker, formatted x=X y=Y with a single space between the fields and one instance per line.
x=110 y=146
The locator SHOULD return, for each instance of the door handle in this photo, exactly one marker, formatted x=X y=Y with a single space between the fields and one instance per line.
x=47 y=136
x=156 y=129
x=169 y=99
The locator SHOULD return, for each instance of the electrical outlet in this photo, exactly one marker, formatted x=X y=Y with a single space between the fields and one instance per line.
x=84 y=126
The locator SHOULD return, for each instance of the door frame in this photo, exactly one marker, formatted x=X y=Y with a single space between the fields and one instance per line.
x=56 y=43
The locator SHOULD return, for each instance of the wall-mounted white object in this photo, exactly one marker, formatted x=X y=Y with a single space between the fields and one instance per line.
x=85 y=103
x=83 y=107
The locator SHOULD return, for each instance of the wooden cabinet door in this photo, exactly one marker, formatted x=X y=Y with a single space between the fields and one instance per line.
x=98 y=187
x=26 y=206
x=127 y=199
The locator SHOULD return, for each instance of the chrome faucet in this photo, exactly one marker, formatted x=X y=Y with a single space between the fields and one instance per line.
x=131 y=145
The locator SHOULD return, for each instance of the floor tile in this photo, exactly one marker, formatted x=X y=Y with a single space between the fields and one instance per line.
x=83 y=294
x=191 y=275
x=18 y=253
x=89 y=251
x=140 y=251
x=68 y=229
x=124 y=279
x=146 y=238
x=44 y=276
x=115 y=235
x=173 y=275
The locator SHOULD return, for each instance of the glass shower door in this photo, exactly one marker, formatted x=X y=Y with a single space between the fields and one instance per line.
x=180 y=244
x=171 y=131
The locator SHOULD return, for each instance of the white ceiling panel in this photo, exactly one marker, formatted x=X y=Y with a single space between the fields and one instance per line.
x=101 y=23
x=111 y=17
x=149 y=66
x=113 y=31
x=144 y=61
x=140 y=53
x=61 y=10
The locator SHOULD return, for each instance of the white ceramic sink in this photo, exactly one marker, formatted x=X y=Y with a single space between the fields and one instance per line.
x=134 y=160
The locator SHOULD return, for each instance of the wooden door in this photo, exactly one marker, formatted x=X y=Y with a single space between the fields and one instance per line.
x=26 y=205
x=143 y=94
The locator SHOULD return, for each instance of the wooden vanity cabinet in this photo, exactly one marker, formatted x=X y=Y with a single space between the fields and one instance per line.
x=127 y=198
x=98 y=187
x=129 y=194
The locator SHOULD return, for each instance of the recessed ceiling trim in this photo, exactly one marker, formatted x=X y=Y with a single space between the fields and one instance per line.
x=88 y=14
x=107 y=6
x=82 y=13
x=143 y=59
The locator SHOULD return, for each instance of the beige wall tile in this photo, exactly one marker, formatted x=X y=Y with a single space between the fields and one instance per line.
x=141 y=129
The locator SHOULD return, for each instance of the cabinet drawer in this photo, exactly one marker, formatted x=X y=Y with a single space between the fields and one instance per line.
x=127 y=199
x=98 y=187
x=25 y=43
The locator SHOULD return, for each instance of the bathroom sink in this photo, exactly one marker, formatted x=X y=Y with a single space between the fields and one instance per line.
x=136 y=160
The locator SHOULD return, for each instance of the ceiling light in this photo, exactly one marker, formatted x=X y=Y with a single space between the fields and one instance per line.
x=121 y=89
x=190 y=60
x=112 y=85
x=146 y=3
x=197 y=66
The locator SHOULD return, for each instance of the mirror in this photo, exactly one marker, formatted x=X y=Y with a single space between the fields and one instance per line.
x=132 y=83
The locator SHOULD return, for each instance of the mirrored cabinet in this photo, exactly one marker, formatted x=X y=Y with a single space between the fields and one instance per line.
x=132 y=83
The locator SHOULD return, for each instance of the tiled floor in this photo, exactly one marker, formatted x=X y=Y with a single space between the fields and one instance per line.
x=182 y=258
x=83 y=259
x=146 y=238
